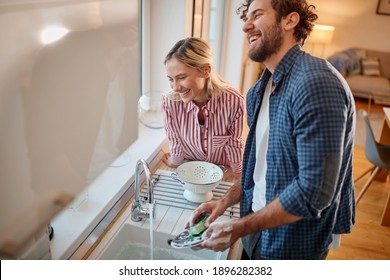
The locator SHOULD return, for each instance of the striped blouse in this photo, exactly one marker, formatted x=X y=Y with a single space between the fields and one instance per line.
x=220 y=139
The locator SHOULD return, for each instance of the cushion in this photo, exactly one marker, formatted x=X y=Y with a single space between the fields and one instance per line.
x=346 y=62
x=360 y=54
x=339 y=62
x=353 y=61
x=368 y=84
x=370 y=66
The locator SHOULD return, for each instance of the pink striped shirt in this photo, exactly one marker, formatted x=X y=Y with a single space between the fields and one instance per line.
x=222 y=131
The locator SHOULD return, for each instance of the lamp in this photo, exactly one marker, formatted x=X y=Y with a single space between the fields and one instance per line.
x=321 y=35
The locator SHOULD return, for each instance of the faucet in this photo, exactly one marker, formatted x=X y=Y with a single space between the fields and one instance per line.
x=137 y=211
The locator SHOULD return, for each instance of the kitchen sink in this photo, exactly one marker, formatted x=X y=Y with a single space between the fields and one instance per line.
x=133 y=243
x=129 y=240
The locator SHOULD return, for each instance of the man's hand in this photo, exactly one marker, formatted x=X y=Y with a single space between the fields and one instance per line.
x=220 y=236
x=214 y=208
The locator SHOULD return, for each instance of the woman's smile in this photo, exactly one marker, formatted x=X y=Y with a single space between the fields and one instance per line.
x=189 y=82
x=185 y=94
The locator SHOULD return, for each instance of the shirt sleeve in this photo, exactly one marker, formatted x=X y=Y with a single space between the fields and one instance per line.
x=172 y=131
x=234 y=148
x=320 y=125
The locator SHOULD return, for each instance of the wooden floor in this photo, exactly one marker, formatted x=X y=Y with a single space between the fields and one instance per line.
x=368 y=240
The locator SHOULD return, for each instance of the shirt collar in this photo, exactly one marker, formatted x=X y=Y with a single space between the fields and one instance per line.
x=211 y=106
x=286 y=63
x=281 y=69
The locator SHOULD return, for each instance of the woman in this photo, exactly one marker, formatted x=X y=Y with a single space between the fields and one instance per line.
x=203 y=116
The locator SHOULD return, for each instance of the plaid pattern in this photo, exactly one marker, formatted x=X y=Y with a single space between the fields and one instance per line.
x=309 y=156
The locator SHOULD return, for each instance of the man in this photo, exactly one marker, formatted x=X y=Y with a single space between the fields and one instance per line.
x=297 y=192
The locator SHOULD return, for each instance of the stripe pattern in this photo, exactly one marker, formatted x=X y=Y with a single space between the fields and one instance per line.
x=221 y=143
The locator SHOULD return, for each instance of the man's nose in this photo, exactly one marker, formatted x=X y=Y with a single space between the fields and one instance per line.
x=248 y=25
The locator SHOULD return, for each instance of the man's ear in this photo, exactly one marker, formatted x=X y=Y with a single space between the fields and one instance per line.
x=291 y=21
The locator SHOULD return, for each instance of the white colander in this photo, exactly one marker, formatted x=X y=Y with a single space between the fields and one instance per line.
x=199 y=172
x=198 y=178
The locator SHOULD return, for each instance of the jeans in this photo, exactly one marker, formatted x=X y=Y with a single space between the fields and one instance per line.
x=252 y=244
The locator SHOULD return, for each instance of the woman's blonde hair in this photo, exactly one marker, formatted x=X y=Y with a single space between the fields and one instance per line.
x=196 y=53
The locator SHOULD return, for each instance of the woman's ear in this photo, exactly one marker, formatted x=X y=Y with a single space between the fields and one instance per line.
x=207 y=70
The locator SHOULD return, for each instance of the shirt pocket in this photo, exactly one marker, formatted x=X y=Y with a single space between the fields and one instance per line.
x=220 y=141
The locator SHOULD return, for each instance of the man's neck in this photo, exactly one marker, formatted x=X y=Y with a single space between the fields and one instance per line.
x=272 y=62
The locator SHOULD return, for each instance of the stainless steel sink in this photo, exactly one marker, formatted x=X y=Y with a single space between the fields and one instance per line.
x=133 y=243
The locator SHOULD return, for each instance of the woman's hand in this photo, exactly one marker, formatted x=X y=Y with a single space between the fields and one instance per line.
x=168 y=161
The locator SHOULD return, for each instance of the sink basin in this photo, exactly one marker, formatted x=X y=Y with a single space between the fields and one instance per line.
x=133 y=243
x=129 y=240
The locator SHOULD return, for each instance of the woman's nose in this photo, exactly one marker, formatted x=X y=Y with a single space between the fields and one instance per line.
x=175 y=86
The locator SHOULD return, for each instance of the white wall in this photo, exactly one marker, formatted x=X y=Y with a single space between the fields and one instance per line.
x=356 y=23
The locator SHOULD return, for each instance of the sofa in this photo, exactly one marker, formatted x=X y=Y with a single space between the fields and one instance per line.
x=367 y=73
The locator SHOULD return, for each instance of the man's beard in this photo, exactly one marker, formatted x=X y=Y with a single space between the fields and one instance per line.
x=269 y=45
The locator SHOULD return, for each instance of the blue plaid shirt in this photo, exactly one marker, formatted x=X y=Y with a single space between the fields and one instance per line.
x=309 y=156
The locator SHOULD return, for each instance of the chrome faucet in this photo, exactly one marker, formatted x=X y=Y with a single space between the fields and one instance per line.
x=137 y=211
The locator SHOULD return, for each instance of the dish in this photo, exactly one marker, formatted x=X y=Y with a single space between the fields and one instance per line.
x=192 y=237
x=184 y=240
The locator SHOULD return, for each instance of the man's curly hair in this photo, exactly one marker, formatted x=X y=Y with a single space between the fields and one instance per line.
x=306 y=12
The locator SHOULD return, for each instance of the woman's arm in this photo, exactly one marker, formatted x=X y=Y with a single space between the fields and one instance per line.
x=176 y=156
x=234 y=147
